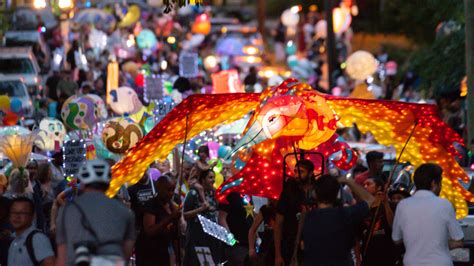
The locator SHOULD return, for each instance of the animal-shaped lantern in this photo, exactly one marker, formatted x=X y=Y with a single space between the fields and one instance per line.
x=52 y=134
x=121 y=134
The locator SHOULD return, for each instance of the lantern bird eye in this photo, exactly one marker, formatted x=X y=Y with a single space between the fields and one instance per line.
x=272 y=119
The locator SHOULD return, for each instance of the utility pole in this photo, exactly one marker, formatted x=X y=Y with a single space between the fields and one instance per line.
x=469 y=29
x=331 y=42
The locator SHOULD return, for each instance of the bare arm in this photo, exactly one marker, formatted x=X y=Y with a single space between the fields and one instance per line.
x=62 y=252
x=49 y=261
x=358 y=190
x=277 y=234
x=128 y=249
x=456 y=243
x=193 y=213
x=223 y=220
x=151 y=227
x=253 y=232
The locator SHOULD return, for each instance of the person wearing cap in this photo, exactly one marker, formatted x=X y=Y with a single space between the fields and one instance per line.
x=93 y=227
x=375 y=164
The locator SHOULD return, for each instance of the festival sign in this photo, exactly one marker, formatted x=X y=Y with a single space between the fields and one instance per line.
x=188 y=65
x=153 y=89
x=215 y=230
x=74 y=155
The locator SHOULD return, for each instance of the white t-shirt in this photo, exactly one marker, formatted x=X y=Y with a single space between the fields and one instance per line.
x=425 y=223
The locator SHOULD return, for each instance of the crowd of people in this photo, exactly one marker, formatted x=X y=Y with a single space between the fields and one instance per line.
x=317 y=220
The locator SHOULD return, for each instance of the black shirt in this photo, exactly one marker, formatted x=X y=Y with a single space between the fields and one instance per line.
x=139 y=195
x=381 y=249
x=329 y=234
x=239 y=219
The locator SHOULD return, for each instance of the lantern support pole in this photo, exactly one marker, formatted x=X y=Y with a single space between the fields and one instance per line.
x=330 y=43
x=469 y=29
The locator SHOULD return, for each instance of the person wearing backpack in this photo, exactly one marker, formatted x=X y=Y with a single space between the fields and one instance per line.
x=93 y=229
x=30 y=245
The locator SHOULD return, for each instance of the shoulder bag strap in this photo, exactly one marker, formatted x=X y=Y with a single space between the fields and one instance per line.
x=29 y=246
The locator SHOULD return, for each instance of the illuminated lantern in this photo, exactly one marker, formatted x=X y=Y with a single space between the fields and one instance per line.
x=260 y=167
x=112 y=78
x=290 y=18
x=219 y=180
x=132 y=16
x=341 y=18
x=361 y=64
x=210 y=62
x=10 y=118
x=52 y=133
x=202 y=25
x=391 y=68
x=464 y=87
x=146 y=39
x=120 y=134
x=100 y=110
x=79 y=113
x=97 y=40
x=4 y=102
x=321 y=29
x=226 y=81
x=124 y=100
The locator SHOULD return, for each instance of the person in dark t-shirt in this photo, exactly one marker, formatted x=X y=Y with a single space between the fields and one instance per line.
x=140 y=193
x=295 y=199
x=160 y=223
x=237 y=217
x=329 y=231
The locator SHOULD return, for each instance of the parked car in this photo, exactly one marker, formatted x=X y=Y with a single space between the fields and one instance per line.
x=14 y=87
x=20 y=63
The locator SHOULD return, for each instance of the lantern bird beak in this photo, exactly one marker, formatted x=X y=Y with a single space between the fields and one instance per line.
x=255 y=135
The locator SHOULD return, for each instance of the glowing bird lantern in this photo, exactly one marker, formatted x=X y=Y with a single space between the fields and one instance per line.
x=52 y=133
x=226 y=81
x=112 y=78
x=202 y=24
x=342 y=19
x=361 y=64
x=259 y=172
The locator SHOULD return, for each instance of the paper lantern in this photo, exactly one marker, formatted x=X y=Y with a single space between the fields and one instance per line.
x=361 y=64
x=100 y=110
x=4 y=102
x=290 y=18
x=226 y=81
x=124 y=100
x=52 y=133
x=464 y=87
x=210 y=62
x=79 y=113
x=321 y=29
x=218 y=180
x=391 y=68
x=10 y=118
x=15 y=105
x=121 y=134
x=131 y=17
x=202 y=25
x=112 y=78
x=97 y=40
x=342 y=19
x=146 y=39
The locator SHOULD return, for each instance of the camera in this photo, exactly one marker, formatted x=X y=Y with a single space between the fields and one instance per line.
x=83 y=252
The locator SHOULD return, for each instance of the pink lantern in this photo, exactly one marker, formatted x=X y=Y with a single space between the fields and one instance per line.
x=213 y=149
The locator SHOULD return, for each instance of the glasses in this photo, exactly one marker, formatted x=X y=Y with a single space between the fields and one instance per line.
x=20 y=213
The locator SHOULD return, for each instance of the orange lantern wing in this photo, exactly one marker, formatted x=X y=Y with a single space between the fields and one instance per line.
x=201 y=111
x=433 y=141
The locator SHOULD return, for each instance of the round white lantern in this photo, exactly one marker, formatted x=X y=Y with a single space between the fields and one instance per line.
x=361 y=64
